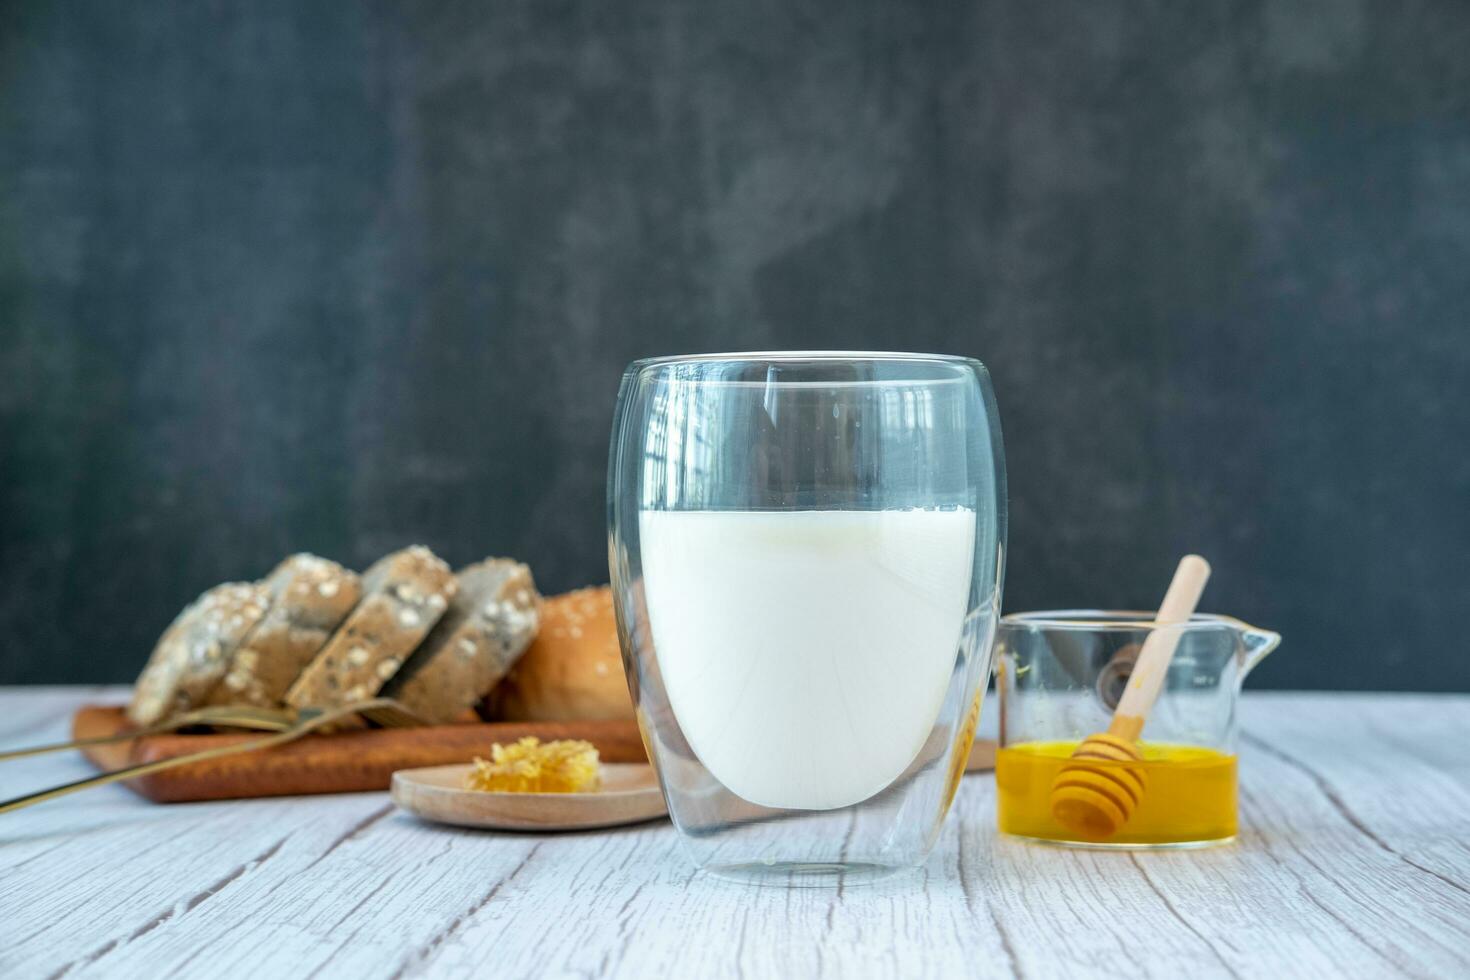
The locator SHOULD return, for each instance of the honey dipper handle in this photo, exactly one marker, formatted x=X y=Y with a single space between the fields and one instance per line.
x=1158 y=648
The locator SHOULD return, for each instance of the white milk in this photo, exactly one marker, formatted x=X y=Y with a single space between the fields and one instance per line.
x=806 y=654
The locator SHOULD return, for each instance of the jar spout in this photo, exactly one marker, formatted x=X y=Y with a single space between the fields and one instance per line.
x=1257 y=643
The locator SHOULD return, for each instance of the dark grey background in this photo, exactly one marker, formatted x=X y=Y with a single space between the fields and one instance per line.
x=340 y=277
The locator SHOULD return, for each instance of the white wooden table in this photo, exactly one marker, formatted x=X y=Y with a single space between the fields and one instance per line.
x=1354 y=858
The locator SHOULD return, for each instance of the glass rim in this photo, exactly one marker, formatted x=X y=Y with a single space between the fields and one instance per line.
x=1116 y=619
x=778 y=357
x=953 y=363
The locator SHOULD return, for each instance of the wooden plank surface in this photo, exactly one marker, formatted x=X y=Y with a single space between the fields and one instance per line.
x=1354 y=859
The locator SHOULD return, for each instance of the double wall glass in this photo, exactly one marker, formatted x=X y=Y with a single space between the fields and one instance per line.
x=806 y=551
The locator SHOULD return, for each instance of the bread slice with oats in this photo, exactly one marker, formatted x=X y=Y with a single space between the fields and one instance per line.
x=490 y=623
x=195 y=650
x=310 y=597
x=403 y=595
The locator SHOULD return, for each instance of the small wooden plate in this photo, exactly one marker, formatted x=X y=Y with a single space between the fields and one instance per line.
x=629 y=794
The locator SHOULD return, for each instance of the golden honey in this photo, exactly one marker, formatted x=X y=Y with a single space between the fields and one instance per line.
x=1189 y=794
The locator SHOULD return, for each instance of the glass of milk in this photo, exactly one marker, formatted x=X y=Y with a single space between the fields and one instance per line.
x=807 y=550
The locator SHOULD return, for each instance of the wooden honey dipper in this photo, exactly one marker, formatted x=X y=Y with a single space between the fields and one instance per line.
x=1097 y=800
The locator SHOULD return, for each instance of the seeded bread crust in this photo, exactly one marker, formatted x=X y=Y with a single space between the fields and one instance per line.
x=404 y=595
x=489 y=624
x=310 y=597
x=195 y=650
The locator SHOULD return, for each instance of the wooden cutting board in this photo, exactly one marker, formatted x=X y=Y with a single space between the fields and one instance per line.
x=345 y=762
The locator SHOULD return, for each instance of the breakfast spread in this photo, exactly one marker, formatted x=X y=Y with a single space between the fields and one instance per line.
x=313 y=634
x=807 y=613
x=835 y=630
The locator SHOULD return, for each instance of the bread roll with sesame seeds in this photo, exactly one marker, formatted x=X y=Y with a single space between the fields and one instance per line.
x=404 y=595
x=490 y=622
x=310 y=597
x=195 y=650
x=573 y=670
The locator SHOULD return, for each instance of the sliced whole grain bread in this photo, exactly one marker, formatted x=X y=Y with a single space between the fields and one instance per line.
x=310 y=597
x=489 y=624
x=195 y=650
x=403 y=595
